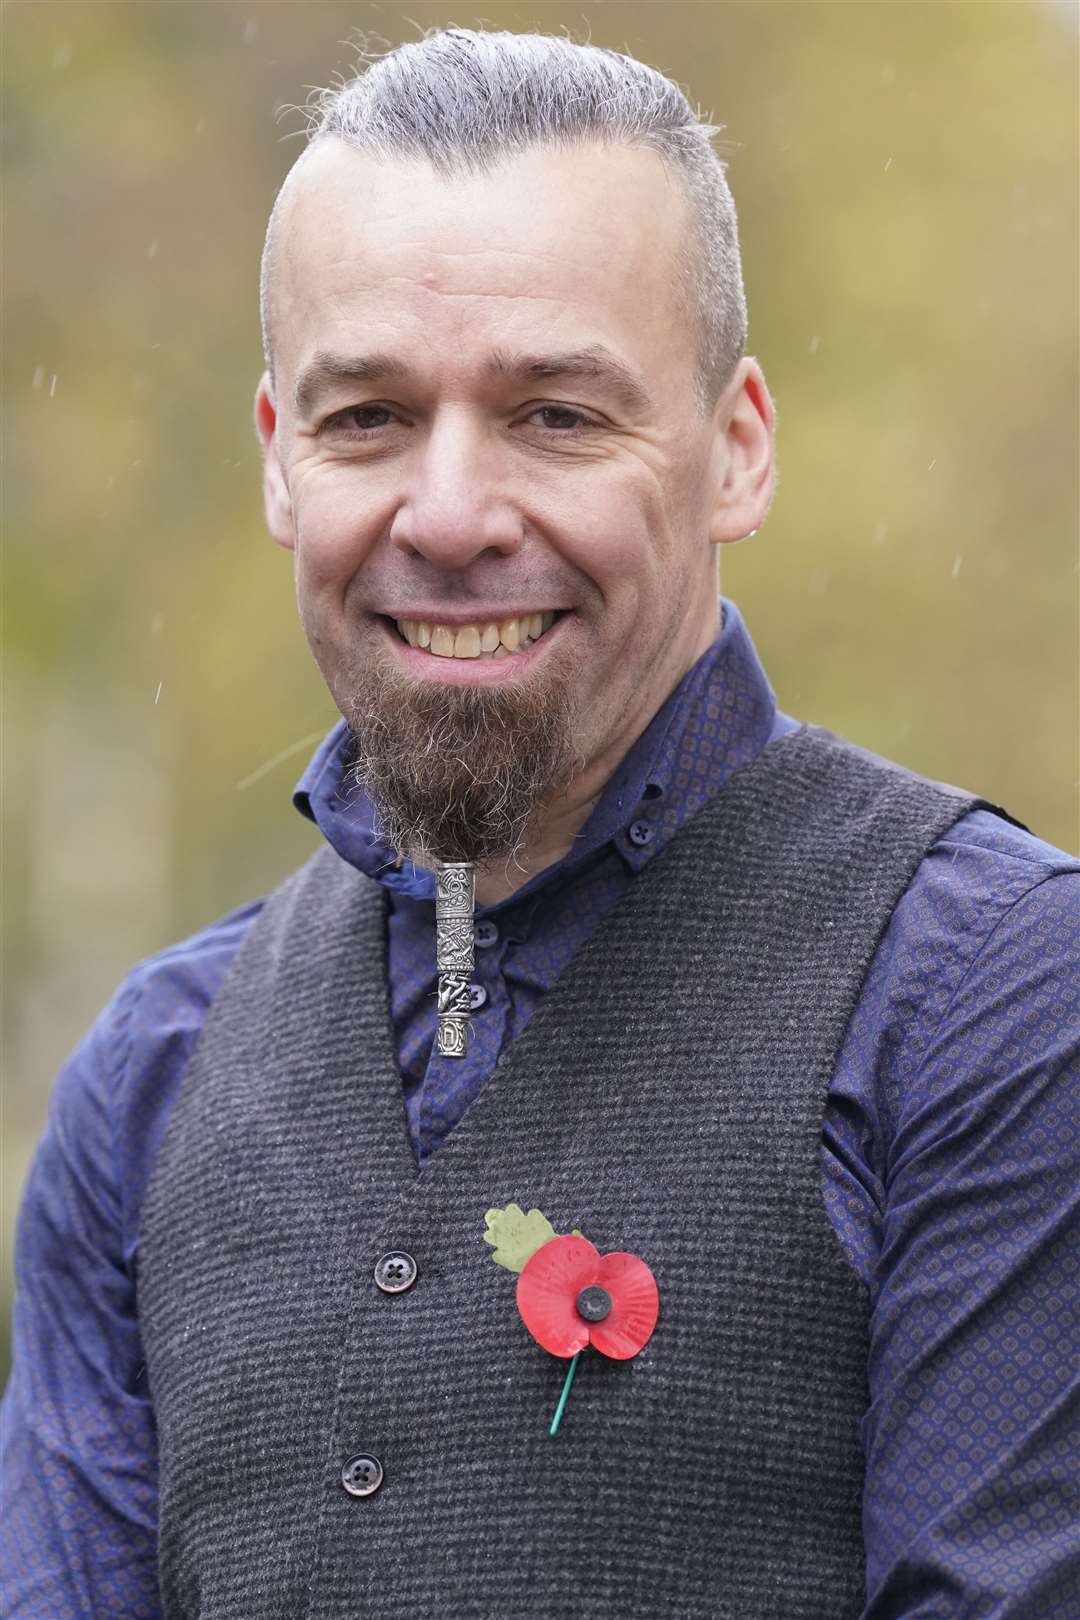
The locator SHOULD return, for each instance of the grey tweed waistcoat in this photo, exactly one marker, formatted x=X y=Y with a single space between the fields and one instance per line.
x=666 y=1098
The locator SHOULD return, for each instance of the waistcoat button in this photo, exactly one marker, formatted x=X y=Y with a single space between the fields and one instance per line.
x=477 y=997
x=395 y=1272
x=486 y=934
x=640 y=833
x=362 y=1475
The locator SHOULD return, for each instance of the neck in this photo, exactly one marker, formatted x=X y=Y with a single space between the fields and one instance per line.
x=562 y=820
x=553 y=842
x=558 y=824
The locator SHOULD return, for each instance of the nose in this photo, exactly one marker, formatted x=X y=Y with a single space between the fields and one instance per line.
x=456 y=505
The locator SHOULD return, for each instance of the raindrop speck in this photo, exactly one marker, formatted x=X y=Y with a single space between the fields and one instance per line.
x=39 y=376
x=815 y=344
x=52 y=386
x=956 y=566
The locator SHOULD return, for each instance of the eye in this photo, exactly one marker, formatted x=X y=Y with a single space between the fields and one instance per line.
x=359 y=421
x=561 y=418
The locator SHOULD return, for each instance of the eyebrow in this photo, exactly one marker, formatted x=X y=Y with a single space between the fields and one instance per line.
x=594 y=364
x=327 y=369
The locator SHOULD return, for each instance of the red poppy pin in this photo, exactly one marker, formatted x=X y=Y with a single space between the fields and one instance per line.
x=571 y=1296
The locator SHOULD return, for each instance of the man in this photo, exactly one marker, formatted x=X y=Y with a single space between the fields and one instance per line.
x=792 y=1028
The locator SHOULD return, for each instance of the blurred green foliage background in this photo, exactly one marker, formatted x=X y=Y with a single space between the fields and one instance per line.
x=907 y=189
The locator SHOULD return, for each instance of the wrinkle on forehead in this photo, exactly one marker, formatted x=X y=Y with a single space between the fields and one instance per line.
x=597 y=228
x=425 y=281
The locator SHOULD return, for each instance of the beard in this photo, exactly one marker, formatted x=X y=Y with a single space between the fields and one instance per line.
x=459 y=773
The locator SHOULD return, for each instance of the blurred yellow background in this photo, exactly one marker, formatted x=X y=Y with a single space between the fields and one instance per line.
x=906 y=177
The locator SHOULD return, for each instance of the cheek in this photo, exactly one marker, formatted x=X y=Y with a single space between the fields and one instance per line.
x=623 y=541
x=646 y=548
x=336 y=527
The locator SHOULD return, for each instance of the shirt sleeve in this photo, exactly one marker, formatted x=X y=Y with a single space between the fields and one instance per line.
x=971 y=1508
x=78 y=1461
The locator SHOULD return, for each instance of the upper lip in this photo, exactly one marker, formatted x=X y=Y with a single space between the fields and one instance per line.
x=477 y=616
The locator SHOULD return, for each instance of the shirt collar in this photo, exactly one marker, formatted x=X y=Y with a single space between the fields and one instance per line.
x=718 y=718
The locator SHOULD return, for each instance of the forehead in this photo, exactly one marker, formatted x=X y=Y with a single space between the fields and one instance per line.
x=549 y=248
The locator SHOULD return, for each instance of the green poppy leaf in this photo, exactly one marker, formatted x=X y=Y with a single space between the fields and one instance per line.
x=515 y=1236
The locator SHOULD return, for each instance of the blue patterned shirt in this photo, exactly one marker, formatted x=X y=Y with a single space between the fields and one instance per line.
x=949 y=1171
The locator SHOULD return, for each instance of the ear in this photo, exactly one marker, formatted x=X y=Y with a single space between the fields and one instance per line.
x=276 y=498
x=745 y=423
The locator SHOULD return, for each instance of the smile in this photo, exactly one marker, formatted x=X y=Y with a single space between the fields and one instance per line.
x=499 y=638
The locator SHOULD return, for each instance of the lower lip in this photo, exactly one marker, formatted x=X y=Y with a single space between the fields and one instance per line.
x=482 y=671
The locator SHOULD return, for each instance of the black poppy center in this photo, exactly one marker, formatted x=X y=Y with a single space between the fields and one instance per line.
x=594 y=1303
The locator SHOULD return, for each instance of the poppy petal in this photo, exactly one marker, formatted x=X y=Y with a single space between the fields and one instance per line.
x=547 y=1290
x=635 y=1306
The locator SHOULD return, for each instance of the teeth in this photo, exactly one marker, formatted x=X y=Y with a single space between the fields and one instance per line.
x=467 y=644
x=493 y=640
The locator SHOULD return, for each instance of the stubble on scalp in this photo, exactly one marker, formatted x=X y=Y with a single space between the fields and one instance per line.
x=460 y=773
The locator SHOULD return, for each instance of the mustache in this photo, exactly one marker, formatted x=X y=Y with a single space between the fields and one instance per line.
x=469 y=593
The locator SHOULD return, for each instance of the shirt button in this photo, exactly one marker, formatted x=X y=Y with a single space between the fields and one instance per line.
x=395 y=1272
x=640 y=833
x=477 y=997
x=362 y=1475
x=486 y=934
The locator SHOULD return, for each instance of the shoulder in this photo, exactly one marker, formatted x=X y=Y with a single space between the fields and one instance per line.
x=112 y=1100
x=169 y=993
x=981 y=884
x=162 y=1001
x=1003 y=847
x=1005 y=907
x=986 y=933
x=975 y=868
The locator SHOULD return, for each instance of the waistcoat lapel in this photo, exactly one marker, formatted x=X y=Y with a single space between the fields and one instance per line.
x=665 y=1098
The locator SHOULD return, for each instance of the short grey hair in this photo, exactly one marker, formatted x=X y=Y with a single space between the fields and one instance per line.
x=464 y=99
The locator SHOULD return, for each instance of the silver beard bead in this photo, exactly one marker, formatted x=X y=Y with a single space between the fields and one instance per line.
x=455 y=900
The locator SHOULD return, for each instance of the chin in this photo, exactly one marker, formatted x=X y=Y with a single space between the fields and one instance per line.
x=457 y=771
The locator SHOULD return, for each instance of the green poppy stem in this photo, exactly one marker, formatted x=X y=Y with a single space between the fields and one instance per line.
x=557 y=1419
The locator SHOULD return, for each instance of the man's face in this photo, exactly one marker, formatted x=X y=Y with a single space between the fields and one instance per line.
x=484 y=420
